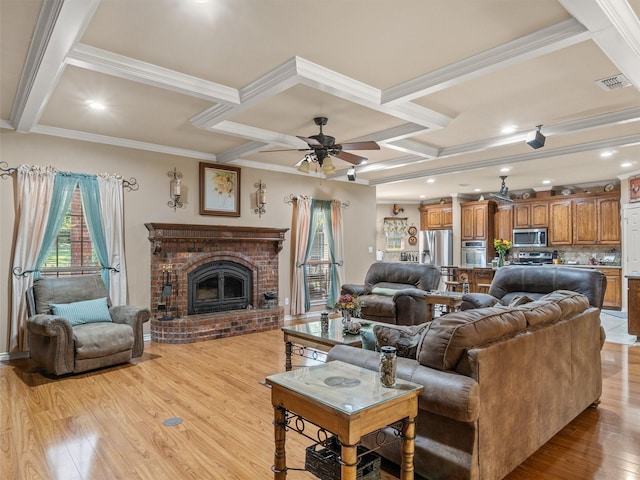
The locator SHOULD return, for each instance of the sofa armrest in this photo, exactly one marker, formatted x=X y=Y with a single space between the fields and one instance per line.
x=413 y=292
x=478 y=300
x=445 y=393
x=49 y=326
x=354 y=289
x=135 y=317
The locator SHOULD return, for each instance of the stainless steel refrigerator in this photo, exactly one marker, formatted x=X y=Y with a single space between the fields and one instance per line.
x=436 y=247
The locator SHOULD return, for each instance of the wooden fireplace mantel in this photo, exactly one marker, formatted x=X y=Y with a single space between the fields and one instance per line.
x=160 y=233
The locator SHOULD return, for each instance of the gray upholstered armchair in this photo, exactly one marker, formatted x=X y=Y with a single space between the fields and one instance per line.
x=72 y=326
x=393 y=292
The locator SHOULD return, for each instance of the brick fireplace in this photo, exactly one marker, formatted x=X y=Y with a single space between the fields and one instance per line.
x=180 y=251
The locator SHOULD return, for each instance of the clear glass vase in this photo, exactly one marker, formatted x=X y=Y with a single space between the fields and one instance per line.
x=346 y=316
x=501 y=259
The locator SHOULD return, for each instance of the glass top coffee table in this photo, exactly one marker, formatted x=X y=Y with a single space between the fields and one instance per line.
x=349 y=402
x=309 y=341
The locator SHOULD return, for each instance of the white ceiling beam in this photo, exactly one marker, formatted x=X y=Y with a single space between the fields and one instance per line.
x=413 y=147
x=542 y=42
x=121 y=142
x=259 y=134
x=60 y=25
x=236 y=153
x=616 y=30
x=492 y=162
x=109 y=63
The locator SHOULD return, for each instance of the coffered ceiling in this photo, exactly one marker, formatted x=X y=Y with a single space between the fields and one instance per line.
x=433 y=82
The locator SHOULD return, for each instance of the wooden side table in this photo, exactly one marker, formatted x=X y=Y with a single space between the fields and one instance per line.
x=347 y=401
x=451 y=300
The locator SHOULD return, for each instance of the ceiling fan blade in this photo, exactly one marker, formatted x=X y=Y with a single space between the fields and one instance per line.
x=312 y=142
x=288 y=150
x=369 y=145
x=350 y=157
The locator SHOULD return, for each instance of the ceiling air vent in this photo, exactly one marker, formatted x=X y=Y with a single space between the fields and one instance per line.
x=613 y=83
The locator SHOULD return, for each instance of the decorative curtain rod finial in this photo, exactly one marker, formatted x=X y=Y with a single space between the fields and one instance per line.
x=6 y=170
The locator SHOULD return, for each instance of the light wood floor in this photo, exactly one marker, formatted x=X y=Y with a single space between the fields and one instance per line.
x=109 y=424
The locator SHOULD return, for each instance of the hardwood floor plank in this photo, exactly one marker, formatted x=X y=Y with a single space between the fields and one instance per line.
x=108 y=424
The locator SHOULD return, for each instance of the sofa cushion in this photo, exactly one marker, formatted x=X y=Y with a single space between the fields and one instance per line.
x=517 y=301
x=404 y=338
x=541 y=312
x=86 y=311
x=448 y=337
x=569 y=302
x=94 y=340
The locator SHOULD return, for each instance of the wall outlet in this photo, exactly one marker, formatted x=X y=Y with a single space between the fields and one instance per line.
x=370 y=249
x=286 y=301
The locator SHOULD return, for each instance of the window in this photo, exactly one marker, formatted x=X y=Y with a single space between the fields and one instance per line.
x=72 y=252
x=318 y=264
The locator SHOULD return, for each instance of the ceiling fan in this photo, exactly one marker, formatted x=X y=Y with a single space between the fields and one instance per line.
x=322 y=147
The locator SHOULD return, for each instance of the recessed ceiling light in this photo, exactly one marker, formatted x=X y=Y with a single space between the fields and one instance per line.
x=423 y=196
x=96 y=105
x=626 y=164
x=607 y=154
x=505 y=169
x=546 y=182
x=477 y=190
x=431 y=180
x=509 y=129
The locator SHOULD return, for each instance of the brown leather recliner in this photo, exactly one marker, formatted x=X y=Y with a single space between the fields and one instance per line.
x=393 y=292
x=535 y=281
x=61 y=347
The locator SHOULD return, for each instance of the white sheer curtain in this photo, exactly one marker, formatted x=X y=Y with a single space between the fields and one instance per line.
x=338 y=243
x=301 y=219
x=112 y=211
x=34 y=190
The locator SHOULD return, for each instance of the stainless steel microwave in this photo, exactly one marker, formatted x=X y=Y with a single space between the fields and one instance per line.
x=530 y=237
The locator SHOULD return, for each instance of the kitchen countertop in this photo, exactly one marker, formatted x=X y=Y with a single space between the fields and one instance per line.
x=587 y=266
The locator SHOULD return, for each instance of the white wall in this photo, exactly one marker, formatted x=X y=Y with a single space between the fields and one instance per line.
x=149 y=204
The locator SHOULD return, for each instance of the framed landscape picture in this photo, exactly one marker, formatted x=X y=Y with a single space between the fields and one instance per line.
x=219 y=190
x=634 y=189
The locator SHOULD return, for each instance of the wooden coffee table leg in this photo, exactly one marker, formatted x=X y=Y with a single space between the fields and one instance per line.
x=349 y=458
x=408 y=448
x=279 y=435
x=288 y=348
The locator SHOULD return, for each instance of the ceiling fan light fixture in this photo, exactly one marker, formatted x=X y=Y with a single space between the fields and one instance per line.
x=327 y=166
x=304 y=166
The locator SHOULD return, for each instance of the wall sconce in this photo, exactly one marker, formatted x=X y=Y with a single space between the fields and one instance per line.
x=261 y=198
x=175 y=189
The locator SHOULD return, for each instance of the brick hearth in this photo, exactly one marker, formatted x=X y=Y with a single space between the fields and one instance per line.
x=180 y=248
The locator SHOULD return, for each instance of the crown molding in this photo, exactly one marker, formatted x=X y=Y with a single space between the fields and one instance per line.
x=98 y=60
x=121 y=142
x=550 y=39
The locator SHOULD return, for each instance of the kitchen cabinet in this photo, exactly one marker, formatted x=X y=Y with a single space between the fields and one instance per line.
x=613 y=292
x=633 y=304
x=531 y=214
x=477 y=220
x=560 y=222
x=596 y=221
x=436 y=217
x=503 y=224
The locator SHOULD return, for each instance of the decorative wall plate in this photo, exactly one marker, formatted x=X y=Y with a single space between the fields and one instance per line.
x=412 y=240
x=526 y=195
x=412 y=230
x=608 y=187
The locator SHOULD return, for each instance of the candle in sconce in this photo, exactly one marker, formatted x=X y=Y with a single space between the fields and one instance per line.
x=177 y=188
x=262 y=197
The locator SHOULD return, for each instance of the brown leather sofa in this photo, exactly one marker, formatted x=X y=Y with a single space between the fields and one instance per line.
x=516 y=281
x=499 y=383
x=60 y=347
x=393 y=292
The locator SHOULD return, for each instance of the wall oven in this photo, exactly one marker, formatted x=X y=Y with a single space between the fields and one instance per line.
x=530 y=237
x=474 y=253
